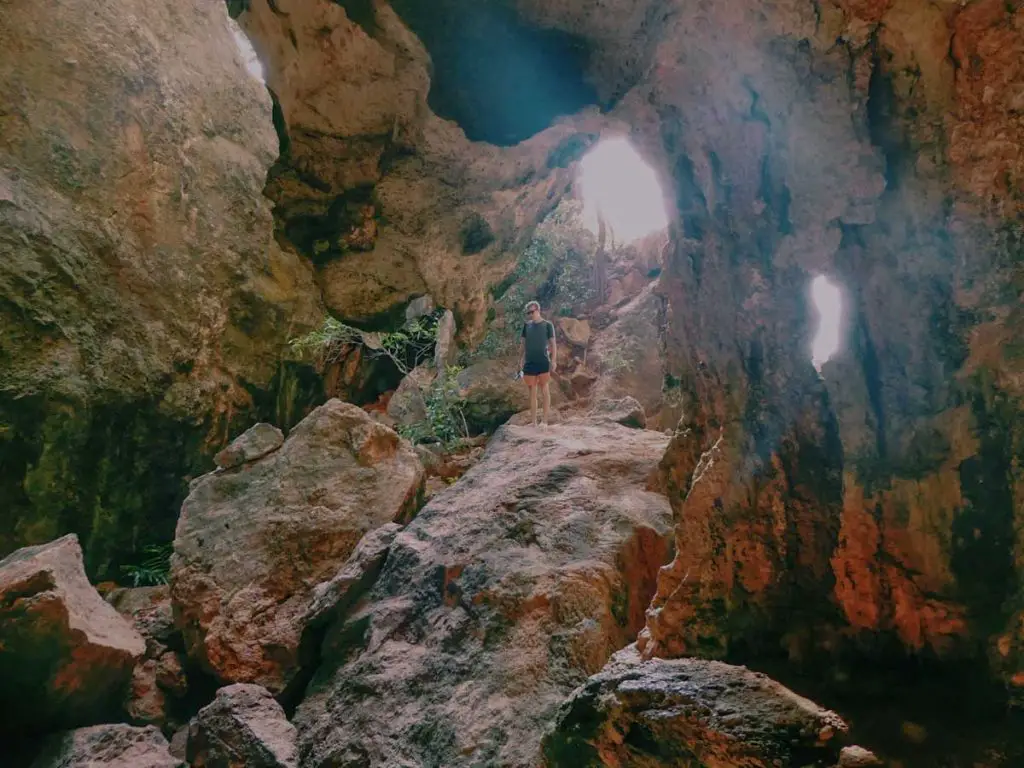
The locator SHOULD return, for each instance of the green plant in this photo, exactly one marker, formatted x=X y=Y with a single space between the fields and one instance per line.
x=407 y=348
x=446 y=420
x=573 y=284
x=617 y=359
x=154 y=569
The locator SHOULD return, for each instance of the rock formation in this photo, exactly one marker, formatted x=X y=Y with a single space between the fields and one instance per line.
x=253 y=542
x=144 y=304
x=869 y=510
x=693 y=712
x=65 y=655
x=390 y=201
x=158 y=680
x=507 y=591
x=243 y=728
x=797 y=145
x=109 y=746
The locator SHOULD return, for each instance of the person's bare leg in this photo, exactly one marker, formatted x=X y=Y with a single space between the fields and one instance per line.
x=547 y=402
x=533 y=404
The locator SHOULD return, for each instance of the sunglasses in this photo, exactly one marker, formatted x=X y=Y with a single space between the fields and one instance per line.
x=531 y=311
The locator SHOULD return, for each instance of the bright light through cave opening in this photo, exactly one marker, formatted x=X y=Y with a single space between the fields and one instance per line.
x=829 y=302
x=617 y=184
x=249 y=57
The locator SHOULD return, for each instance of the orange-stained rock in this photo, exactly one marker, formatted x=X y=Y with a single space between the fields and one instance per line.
x=692 y=711
x=254 y=541
x=66 y=656
x=507 y=591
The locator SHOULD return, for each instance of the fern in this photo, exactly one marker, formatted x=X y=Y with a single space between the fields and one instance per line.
x=155 y=568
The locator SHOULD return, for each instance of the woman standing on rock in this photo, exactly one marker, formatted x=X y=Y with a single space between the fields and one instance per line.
x=538 y=360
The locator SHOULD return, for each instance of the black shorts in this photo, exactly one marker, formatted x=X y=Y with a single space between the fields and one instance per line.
x=536 y=368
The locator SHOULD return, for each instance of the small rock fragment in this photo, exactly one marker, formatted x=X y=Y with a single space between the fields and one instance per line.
x=857 y=757
x=108 y=746
x=254 y=443
x=244 y=727
x=625 y=411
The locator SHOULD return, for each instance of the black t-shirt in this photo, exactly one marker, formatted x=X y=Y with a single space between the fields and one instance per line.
x=537 y=336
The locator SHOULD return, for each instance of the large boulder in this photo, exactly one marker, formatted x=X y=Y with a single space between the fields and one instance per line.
x=244 y=727
x=505 y=593
x=692 y=712
x=253 y=542
x=108 y=746
x=65 y=655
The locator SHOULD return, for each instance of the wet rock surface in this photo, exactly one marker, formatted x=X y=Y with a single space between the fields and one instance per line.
x=692 y=712
x=66 y=656
x=253 y=542
x=504 y=594
x=108 y=746
x=244 y=727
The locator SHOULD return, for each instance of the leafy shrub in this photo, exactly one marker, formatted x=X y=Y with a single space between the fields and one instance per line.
x=154 y=570
x=407 y=348
x=446 y=420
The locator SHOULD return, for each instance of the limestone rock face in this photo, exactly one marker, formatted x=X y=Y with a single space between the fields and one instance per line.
x=242 y=728
x=108 y=746
x=65 y=655
x=389 y=200
x=147 y=224
x=142 y=295
x=253 y=542
x=629 y=355
x=691 y=712
x=504 y=594
x=870 y=161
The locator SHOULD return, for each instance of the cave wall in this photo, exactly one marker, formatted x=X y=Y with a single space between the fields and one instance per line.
x=389 y=200
x=877 y=509
x=144 y=304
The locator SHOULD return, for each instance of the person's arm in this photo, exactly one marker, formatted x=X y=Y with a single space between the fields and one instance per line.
x=522 y=349
x=552 y=347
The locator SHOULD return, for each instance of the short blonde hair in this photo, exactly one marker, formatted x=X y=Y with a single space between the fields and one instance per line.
x=533 y=305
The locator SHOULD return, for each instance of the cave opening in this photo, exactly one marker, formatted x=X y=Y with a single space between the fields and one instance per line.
x=500 y=79
x=623 y=190
x=828 y=301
